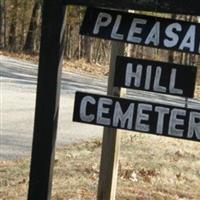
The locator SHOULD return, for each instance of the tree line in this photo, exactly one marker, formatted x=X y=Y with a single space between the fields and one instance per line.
x=20 y=26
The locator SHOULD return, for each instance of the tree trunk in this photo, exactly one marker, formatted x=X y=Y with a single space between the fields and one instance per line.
x=30 y=39
x=97 y=52
x=88 y=49
x=12 y=35
x=171 y=57
x=1 y=24
x=5 y=24
x=171 y=53
x=22 y=25
x=12 y=38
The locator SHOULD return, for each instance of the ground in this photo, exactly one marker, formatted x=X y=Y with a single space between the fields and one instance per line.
x=150 y=168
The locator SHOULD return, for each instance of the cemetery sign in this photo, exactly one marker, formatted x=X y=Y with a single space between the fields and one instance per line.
x=155 y=76
x=138 y=116
x=142 y=30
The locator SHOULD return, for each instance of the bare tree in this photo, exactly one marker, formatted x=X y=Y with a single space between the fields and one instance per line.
x=2 y=9
x=12 y=37
x=31 y=35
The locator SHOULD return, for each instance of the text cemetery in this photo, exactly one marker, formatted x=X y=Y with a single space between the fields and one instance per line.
x=139 y=116
x=143 y=30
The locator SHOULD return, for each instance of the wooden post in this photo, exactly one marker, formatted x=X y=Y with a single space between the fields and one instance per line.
x=111 y=139
x=47 y=102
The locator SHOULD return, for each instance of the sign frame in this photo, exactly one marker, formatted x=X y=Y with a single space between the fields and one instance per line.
x=166 y=6
x=47 y=100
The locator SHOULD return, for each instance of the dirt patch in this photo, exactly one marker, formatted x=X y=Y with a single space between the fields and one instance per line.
x=78 y=66
x=84 y=67
x=22 y=56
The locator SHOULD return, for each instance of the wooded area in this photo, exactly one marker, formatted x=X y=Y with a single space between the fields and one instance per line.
x=20 y=24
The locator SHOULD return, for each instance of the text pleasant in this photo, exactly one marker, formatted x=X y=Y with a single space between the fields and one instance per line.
x=149 y=31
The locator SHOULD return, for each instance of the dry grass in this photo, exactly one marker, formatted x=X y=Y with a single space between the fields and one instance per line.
x=163 y=168
x=77 y=66
x=150 y=168
x=197 y=91
x=81 y=66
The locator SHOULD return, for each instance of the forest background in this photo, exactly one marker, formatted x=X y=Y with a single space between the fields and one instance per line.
x=20 y=26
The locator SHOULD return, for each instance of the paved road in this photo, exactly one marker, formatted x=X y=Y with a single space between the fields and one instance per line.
x=18 y=89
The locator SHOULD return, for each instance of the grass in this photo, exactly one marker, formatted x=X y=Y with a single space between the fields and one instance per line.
x=150 y=168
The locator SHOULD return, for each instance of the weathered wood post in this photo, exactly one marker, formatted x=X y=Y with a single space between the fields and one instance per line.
x=47 y=102
x=111 y=139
